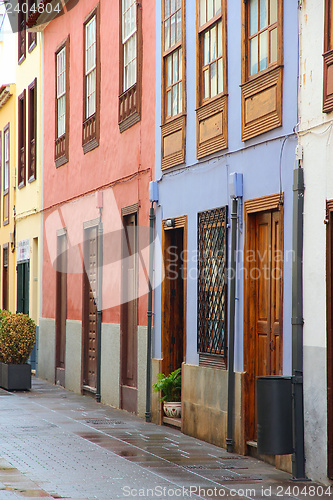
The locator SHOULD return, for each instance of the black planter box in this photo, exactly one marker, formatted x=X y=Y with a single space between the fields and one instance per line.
x=15 y=377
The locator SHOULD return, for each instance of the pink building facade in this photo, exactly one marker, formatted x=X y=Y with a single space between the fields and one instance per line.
x=99 y=150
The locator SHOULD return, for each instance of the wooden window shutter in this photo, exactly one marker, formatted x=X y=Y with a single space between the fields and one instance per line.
x=21 y=178
x=32 y=131
x=328 y=58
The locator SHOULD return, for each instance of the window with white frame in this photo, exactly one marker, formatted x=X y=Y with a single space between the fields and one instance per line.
x=61 y=92
x=90 y=66
x=129 y=41
x=6 y=161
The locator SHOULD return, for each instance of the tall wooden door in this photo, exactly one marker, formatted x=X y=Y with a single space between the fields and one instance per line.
x=61 y=309
x=264 y=344
x=173 y=314
x=129 y=317
x=90 y=309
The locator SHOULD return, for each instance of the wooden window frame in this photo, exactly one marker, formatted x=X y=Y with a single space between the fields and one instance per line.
x=5 y=192
x=91 y=125
x=32 y=131
x=32 y=35
x=129 y=109
x=5 y=285
x=22 y=33
x=261 y=93
x=61 y=144
x=173 y=129
x=328 y=58
x=212 y=113
x=21 y=163
x=1 y=161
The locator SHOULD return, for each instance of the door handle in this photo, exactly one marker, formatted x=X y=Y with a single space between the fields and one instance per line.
x=271 y=345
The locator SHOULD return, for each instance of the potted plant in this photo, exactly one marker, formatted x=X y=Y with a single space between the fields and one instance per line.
x=17 y=339
x=170 y=386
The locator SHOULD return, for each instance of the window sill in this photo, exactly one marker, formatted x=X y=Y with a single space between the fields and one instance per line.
x=261 y=73
x=21 y=59
x=32 y=47
x=90 y=146
x=62 y=160
x=21 y=185
x=5 y=222
x=129 y=121
x=32 y=178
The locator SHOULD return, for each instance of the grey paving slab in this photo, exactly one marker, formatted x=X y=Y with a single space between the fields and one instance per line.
x=59 y=444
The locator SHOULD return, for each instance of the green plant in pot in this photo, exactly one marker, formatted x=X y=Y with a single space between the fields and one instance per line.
x=170 y=387
x=17 y=339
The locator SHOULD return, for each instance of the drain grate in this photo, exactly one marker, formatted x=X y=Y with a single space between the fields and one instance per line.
x=103 y=421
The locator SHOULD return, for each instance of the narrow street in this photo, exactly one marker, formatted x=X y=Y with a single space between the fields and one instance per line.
x=58 y=444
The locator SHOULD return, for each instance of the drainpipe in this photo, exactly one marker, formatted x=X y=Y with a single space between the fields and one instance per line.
x=298 y=464
x=150 y=310
x=231 y=373
x=99 y=303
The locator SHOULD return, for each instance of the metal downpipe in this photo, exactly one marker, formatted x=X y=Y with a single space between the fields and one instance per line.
x=298 y=464
x=150 y=311
x=231 y=348
x=99 y=307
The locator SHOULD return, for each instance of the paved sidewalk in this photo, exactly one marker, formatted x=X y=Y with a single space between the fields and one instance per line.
x=57 y=444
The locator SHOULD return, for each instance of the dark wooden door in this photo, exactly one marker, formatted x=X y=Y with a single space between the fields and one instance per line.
x=90 y=309
x=173 y=301
x=61 y=308
x=129 y=316
x=266 y=273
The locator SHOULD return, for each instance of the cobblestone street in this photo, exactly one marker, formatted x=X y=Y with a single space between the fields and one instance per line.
x=61 y=445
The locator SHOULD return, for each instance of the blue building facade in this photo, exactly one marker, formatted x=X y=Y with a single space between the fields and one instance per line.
x=234 y=112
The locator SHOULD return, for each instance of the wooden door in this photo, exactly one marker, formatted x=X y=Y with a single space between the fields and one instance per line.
x=90 y=309
x=61 y=308
x=173 y=301
x=265 y=345
x=129 y=316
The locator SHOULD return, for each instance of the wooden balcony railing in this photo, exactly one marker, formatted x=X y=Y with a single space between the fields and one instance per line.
x=89 y=133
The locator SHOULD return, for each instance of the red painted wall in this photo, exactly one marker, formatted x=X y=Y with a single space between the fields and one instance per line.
x=130 y=154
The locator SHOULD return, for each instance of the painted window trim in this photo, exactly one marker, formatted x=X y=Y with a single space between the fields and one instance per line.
x=328 y=58
x=268 y=81
x=91 y=125
x=212 y=113
x=32 y=35
x=22 y=34
x=5 y=192
x=21 y=165
x=173 y=129
x=61 y=144
x=129 y=105
x=32 y=134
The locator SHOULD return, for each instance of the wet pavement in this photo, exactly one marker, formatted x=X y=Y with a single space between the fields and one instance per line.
x=57 y=444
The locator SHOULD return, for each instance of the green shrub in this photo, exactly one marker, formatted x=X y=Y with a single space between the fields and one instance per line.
x=170 y=385
x=17 y=337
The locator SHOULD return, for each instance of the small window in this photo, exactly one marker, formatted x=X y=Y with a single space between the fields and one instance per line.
x=212 y=282
x=262 y=34
x=21 y=139
x=32 y=36
x=62 y=104
x=129 y=41
x=212 y=50
x=6 y=171
x=22 y=33
x=130 y=67
x=90 y=133
x=32 y=120
x=262 y=60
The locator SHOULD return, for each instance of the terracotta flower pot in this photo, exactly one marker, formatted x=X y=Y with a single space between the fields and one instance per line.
x=172 y=408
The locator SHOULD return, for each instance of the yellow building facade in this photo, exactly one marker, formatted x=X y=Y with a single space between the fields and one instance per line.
x=8 y=155
x=28 y=185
